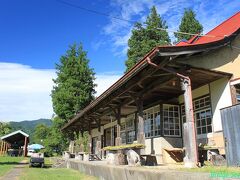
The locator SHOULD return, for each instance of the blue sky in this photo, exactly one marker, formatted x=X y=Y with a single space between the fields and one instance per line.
x=35 y=33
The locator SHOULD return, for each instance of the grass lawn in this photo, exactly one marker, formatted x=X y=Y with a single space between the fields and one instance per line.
x=7 y=163
x=217 y=171
x=37 y=173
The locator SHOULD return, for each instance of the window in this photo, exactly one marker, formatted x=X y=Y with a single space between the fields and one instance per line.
x=237 y=86
x=201 y=103
x=123 y=132
x=203 y=121
x=152 y=122
x=202 y=115
x=127 y=132
x=130 y=136
x=123 y=137
x=171 y=122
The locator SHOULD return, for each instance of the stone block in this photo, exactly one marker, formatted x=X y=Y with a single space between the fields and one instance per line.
x=133 y=158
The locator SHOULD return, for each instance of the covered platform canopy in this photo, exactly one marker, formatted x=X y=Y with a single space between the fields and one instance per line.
x=15 y=140
x=154 y=79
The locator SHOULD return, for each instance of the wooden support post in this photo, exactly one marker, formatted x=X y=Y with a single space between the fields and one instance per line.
x=118 y=139
x=141 y=134
x=4 y=148
x=189 y=137
x=233 y=94
x=25 y=147
x=89 y=139
x=99 y=141
x=1 y=152
x=99 y=125
x=135 y=125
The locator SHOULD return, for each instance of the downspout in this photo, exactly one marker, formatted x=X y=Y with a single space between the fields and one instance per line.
x=187 y=88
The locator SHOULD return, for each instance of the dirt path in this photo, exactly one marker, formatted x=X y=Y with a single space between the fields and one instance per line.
x=15 y=172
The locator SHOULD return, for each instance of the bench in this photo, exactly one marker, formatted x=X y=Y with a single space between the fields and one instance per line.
x=150 y=160
x=176 y=154
x=93 y=157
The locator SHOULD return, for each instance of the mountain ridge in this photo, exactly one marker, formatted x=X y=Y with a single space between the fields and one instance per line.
x=28 y=126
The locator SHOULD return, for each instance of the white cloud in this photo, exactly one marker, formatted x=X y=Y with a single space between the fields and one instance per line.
x=25 y=91
x=120 y=31
x=105 y=80
x=209 y=13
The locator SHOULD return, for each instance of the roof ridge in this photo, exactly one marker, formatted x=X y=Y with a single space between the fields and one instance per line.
x=208 y=33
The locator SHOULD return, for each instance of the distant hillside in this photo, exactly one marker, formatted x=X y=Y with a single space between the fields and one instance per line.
x=29 y=126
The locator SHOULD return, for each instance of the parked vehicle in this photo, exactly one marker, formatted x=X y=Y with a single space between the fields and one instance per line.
x=30 y=152
x=37 y=159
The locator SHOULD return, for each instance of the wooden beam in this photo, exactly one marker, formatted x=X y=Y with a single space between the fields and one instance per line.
x=5 y=144
x=162 y=74
x=189 y=138
x=118 y=118
x=140 y=85
x=157 y=84
x=89 y=138
x=99 y=125
x=1 y=152
x=141 y=134
x=25 y=146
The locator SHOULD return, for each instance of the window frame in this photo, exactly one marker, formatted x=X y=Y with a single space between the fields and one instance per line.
x=150 y=123
x=206 y=125
x=126 y=129
x=200 y=109
x=237 y=88
x=173 y=123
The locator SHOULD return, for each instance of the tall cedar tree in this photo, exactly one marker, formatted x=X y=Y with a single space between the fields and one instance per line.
x=144 y=39
x=74 y=85
x=188 y=24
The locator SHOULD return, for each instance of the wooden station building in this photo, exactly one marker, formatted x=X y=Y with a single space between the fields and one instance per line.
x=171 y=98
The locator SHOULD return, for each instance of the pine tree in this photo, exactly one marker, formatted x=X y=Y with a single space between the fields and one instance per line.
x=144 y=39
x=74 y=86
x=188 y=24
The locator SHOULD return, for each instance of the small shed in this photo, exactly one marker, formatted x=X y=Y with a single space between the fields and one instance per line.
x=231 y=125
x=16 y=141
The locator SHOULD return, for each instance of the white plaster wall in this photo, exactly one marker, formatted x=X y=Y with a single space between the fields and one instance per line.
x=162 y=142
x=203 y=90
x=148 y=146
x=220 y=98
x=225 y=59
